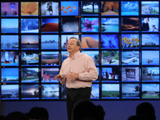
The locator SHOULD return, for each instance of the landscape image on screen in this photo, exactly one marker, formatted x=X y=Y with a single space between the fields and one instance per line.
x=109 y=24
x=29 y=25
x=49 y=58
x=9 y=75
x=150 y=41
x=153 y=59
x=130 y=58
x=150 y=74
x=130 y=41
x=9 y=9
x=29 y=75
x=109 y=41
x=130 y=74
x=110 y=8
x=110 y=57
x=130 y=24
x=48 y=74
x=10 y=92
x=9 y=27
x=150 y=91
x=29 y=42
x=89 y=8
x=89 y=41
x=130 y=91
x=150 y=7
x=9 y=42
x=49 y=42
x=110 y=91
x=30 y=91
x=49 y=8
x=50 y=91
x=129 y=8
x=49 y=25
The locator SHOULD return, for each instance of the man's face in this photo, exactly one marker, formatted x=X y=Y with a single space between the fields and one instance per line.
x=72 y=46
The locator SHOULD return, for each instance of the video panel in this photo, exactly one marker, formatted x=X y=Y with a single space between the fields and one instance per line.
x=49 y=8
x=150 y=74
x=30 y=91
x=150 y=91
x=130 y=91
x=130 y=74
x=109 y=41
x=49 y=58
x=110 y=58
x=49 y=42
x=149 y=7
x=69 y=8
x=9 y=42
x=70 y=25
x=89 y=25
x=110 y=74
x=9 y=9
x=50 y=91
x=89 y=8
x=90 y=41
x=48 y=74
x=29 y=8
x=9 y=58
x=9 y=27
x=129 y=8
x=29 y=42
x=29 y=75
x=29 y=58
x=110 y=91
x=10 y=92
x=109 y=25
x=9 y=75
x=109 y=8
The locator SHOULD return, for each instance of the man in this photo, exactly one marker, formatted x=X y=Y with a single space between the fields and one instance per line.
x=78 y=72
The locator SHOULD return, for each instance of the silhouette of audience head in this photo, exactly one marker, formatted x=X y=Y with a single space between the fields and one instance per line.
x=16 y=116
x=88 y=111
x=146 y=109
x=39 y=113
x=2 y=117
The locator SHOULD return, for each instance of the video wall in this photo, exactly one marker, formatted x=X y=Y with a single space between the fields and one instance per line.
x=122 y=37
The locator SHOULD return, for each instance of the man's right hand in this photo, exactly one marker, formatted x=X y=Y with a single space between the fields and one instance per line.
x=59 y=76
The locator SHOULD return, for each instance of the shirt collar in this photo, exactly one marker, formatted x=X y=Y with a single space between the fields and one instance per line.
x=75 y=55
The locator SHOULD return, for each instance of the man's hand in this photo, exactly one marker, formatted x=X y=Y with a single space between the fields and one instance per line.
x=72 y=76
x=59 y=76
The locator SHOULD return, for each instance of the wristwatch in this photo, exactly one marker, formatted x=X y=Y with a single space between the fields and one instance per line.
x=62 y=75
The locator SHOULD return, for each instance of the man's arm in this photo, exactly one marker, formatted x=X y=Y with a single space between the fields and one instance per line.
x=91 y=74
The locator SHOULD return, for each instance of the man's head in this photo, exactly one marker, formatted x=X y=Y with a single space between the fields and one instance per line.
x=74 y=45
x=146 y=109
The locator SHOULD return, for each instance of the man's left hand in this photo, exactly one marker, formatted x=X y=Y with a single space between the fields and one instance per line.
x=72 y=76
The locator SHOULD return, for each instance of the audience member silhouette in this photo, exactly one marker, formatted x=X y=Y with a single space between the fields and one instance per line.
x=88 y=111
x=16 y=116
x=146 y=109
x=39 y=113
x=2 y=117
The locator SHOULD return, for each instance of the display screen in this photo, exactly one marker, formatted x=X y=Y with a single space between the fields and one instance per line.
x=122 y=38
